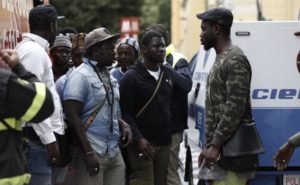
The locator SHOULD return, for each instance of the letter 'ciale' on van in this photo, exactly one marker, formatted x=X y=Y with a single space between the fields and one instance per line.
x=274 y=94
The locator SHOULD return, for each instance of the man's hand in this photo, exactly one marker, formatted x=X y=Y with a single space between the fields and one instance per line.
x=126 y=136
x=126 y=133
x=211 y=155
x=53 y=154
x=201 y=157
x=92 y=164
x=145 y=148
x=10 y=57
x=283 y=156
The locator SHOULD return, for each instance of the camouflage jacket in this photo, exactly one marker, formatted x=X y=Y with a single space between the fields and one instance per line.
x=227 y=96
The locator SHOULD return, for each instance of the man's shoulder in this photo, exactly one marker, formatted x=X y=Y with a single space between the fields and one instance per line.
x=134 y=69
x=233 y=56
x=83 y=69
x=29 y=44
x=30 y=48
x=235 y=52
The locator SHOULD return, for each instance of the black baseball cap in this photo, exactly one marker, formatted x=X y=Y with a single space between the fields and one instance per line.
x=42 y=14
x=221 y=16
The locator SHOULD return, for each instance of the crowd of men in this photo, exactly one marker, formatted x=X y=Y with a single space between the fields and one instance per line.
x=112 y=99
x=96 y=109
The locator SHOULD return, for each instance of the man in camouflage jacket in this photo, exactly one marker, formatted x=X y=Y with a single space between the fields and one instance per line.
x=227 y=98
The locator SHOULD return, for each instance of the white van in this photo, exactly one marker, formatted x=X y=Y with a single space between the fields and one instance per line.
x=273 y=51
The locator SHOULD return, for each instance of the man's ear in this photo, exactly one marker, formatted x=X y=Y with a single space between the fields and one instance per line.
x=143 y=49
x=52 y=27
x=217 y=29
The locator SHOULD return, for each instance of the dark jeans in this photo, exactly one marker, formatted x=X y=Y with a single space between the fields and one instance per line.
x=37 y=157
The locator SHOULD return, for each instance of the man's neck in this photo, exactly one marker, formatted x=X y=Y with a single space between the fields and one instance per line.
x=41 y=34
x=60 y=69
x=222 y=45
x=152 y=66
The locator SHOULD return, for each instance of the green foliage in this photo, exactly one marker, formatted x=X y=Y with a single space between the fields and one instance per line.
x=85 y=15
x=155 y=11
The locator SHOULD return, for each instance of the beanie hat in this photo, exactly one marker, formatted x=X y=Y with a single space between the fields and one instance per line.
x=62 y=40
x=131 y=42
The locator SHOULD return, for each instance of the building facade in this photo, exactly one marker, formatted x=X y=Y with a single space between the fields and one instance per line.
x=186 y=27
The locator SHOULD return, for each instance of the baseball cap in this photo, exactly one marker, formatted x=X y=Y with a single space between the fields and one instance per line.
x=220 y=16
x=42 y=14
x=62 y=40
x=98 y=35
x=131 y=42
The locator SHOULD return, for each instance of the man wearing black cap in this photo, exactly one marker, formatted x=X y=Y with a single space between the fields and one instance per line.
x=91 y=101
x=33 y=51
x=227 y=101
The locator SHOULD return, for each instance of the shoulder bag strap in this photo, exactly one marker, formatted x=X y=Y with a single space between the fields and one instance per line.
x=153 y=95
x=91 y=118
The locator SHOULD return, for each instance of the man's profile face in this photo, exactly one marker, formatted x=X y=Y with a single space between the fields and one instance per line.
x=106 y=54
x=207 y=36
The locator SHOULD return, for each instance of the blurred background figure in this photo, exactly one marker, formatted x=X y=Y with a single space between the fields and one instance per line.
x=78 y=48
x=77 y=54
x=60 y=54
x=127 y=54
x=69 y=32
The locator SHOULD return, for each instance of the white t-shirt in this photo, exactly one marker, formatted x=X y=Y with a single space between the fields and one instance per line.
x=155 y=74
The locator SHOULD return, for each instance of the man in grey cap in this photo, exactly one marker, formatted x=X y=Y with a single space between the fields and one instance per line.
x=60 y=54
x=227 y=102
x=33 y=51
x=91 y=101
